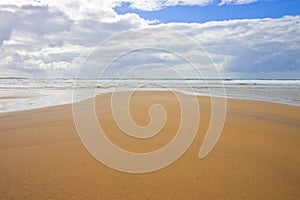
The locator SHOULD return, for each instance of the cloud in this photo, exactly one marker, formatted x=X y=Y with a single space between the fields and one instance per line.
x=238 y=2
x=30 y=32
x=152 y=5
x=249 y=46
x=5 y=25
x=31 y=24
x=44 y=39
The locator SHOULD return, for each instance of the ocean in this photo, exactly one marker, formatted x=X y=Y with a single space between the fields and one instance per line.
x=30 y=93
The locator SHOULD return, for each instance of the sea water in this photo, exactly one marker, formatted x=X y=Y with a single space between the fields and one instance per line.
x=29 y=93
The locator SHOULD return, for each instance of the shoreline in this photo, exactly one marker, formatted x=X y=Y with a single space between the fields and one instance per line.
x=110 y=90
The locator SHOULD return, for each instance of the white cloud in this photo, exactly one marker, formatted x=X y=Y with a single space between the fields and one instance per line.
x=151 y=5
x=28 y=31
x=239 y=2
x=74 y=9
x=251 y=45
x=51 y=38
x=195 y=2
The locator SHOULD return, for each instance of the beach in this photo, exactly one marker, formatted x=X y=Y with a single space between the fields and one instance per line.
x=256 y=157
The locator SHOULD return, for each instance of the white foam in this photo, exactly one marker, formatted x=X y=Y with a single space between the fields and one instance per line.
x=37 y=93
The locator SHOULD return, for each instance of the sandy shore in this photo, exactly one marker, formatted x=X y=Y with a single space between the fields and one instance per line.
x=256 y=157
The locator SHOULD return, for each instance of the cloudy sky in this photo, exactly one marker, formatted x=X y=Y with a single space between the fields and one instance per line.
x=245 y=38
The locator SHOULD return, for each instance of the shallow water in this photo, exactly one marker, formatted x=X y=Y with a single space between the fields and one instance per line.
x=22 y=94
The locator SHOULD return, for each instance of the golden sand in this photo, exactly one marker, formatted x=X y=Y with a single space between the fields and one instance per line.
x=256 y=157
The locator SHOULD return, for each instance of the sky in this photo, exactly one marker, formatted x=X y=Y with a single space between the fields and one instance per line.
x=244 y=38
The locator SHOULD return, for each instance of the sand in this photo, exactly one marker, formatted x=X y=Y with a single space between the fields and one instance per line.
x=256 y=157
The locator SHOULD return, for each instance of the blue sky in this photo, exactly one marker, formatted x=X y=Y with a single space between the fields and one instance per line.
x=215 y=12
